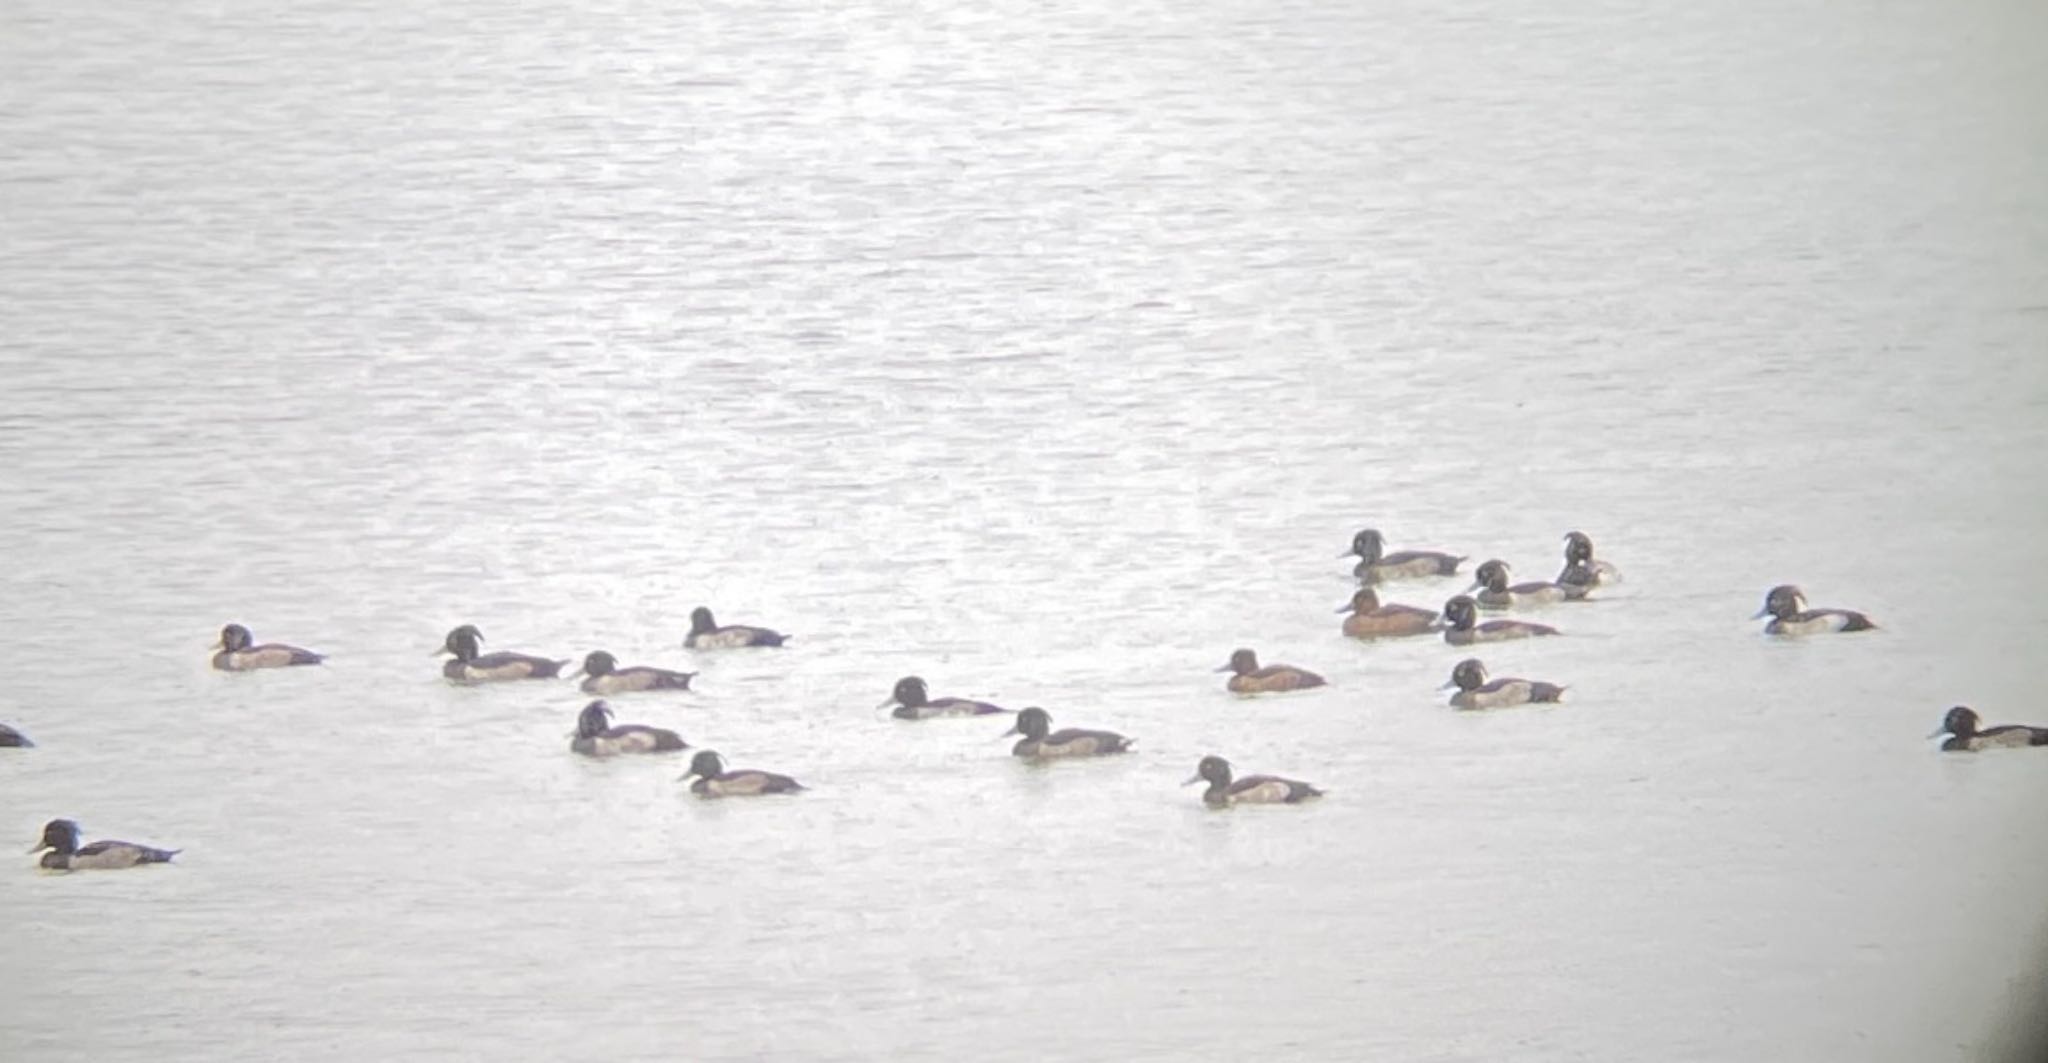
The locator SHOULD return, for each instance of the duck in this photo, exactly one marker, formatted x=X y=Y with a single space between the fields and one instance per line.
x=604 y=676
x=1475 y=691
x=1580 y=569
x=238 y=655
x=1491 y=581
x=1371 y=620
x=1965 y=737
x=1461 y=629
x=13 y=739
x=596 y=737
x=1248 y=678
x=1250 y=790
x=60 y=836
x=1041 y=741
x=472 y=666
x=708 y=768
x=913 y=702
x=706 y=634
x=1786 y=606
x=1375 y=565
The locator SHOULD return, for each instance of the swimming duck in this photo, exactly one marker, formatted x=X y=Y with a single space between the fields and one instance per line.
x=1371 y=620
x=472 y=666
x=714 y=781
x=1491 y=580
x=60 y=836
x=606 y=677
x=1249 y=678
x=914 y=703
x=596 y=737
x=1375 y=565
x=1460 y=629
x=1786 y=606
x=1035 y=723
x=1475 y=691
x=706 y=634
x=11 y=738
x=1250 y=790
x=1580 y=570
x=237 y=655
x=1964 y=736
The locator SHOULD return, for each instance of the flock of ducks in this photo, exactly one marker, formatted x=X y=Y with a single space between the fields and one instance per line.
x=1458 y=623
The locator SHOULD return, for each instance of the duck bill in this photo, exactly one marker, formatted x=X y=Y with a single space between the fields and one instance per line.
x=1346 y=608
x=686 y=776
x=1227 y=668
x=1939 y=732
x=1193 y=779
x=1761 y=613
x=887 y=704
x=1448 y=684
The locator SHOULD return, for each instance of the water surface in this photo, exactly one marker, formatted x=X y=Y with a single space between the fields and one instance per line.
x=1049 y=351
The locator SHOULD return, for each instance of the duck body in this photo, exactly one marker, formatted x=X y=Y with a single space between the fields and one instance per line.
x=1477 y=691
x=913 y=701
x=1249 y=678
x=597 y=737
x=1495 y=592
x=713 y=781
x=1370 y=619
x=1043 y=743
x=60 y=836
x=604 y=676
x=1786 y=606
x=707 y=634
x=1587 y=575
x=13 y=739
x=1461 y=627
x=1224 y=791
x=1961 y=725
x=239 y=653
x=471 y=665
x=1375 y=565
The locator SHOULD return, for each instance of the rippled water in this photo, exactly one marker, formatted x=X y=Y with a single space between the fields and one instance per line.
x=1049 y=351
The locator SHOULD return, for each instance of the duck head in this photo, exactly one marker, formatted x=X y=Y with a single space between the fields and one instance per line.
x=1212 y=769
x=1578 y=546
x=909 y=692
x=1365 y=600
x=705 y=765
x=599 y=663
x=1469 y=674
x=1031 y=723
x=465 y=642
x=1492 y=575
x=594 y=720
x=1961 y=722
x=58 y=834
x=1460 y=613
x=1783 y=602
x=1242 y=662
x=234 y=638
x=701 y=622
x=1367 y=545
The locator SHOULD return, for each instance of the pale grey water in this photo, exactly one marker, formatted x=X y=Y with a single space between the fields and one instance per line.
x=1049 y=351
